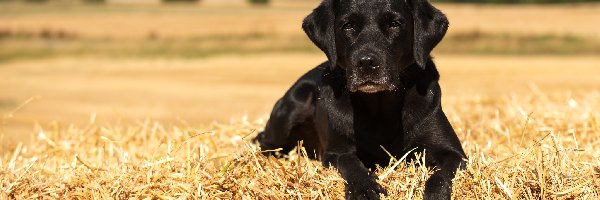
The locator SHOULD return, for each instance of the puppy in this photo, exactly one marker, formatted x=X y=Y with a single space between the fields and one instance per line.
x=379 y=88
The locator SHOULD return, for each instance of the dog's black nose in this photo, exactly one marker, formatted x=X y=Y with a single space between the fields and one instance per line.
x=368 y=62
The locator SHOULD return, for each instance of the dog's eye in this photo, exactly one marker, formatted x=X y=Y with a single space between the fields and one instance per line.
x=395 y=24
x=348 y=26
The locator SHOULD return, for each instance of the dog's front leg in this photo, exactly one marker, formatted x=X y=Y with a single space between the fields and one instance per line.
x=445 y=152
x=340 y=152
x=439 y=184
x=360 y=182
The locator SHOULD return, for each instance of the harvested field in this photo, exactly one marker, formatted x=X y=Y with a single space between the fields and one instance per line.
x=533 y=146
x=529 y=126
x=146 y=102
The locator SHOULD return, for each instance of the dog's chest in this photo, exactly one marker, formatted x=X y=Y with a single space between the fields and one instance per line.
x=377 y=136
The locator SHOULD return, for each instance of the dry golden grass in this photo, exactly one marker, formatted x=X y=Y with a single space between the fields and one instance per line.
x=533 y=146
x=530 y=125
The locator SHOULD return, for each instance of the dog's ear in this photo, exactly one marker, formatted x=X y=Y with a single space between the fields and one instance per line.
x=319 y=26
x=430 y=26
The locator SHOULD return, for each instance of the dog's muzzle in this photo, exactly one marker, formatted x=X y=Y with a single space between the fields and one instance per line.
x=371 y=88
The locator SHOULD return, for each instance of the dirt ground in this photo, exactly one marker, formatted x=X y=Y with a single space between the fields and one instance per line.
x=228 y=87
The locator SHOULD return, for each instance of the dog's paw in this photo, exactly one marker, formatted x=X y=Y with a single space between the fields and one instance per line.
x=268 y=148
x=437 y=188
x=366 y=188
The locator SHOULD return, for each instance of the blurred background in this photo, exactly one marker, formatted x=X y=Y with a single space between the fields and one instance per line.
x=195 y=62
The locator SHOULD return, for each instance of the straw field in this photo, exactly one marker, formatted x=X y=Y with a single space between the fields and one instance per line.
x=99 y=103
x=534 y=146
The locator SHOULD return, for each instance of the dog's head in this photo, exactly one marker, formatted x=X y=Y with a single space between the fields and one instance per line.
x=374 y=40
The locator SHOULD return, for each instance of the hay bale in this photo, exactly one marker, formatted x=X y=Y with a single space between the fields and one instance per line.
x=535 y=147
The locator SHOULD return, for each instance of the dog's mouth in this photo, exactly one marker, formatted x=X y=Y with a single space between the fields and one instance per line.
x=369 y=82
x=370 y=87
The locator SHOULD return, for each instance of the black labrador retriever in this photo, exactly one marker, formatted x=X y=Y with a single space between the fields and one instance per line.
x=378 y=92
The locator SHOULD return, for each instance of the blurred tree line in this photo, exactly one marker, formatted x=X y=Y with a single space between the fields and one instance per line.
x=515 y=1
x=266 y=2
x=253 y=2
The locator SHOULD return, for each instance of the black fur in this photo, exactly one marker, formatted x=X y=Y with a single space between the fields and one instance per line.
x=379 y=89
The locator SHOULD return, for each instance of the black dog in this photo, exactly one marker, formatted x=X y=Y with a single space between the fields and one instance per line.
x=378 y=89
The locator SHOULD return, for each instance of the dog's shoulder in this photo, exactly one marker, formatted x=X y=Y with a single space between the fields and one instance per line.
x=421 y=81
x=305 y=88
x=316 y=74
